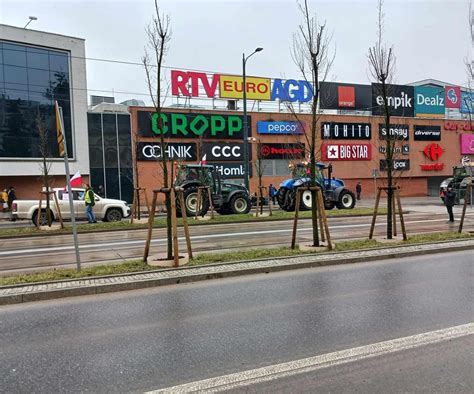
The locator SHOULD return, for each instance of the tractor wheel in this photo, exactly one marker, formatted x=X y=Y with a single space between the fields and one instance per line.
x=286 y=199
x=306 y=201
x=346 y=200
x=240 y=204
x=328 y=204
x=190 y=202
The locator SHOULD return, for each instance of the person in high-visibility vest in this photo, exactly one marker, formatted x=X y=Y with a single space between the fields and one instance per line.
x=89 y=199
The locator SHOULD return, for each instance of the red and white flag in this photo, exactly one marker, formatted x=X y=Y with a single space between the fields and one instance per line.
x=203 y=161
x=76 y=180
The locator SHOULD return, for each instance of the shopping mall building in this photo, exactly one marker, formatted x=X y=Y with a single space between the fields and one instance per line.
x=116 y=144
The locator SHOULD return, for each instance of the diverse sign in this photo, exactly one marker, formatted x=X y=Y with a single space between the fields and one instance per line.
x=176 y=151
x=188 y=83
x=398 y=131
x=231 y=170
x=224 y=152
x=429 y=102
x=346 y=131
x=397 y=165
x=281 y=151
x=453 y=96
x=467 y=101
x=335 y=95
x=433 y=151
x=467 y=144
x=288 y=127
x=427 y=133
x=346 y=152
x=404 y=149
x=231 y=86
x=187 y=125
x=400 y=100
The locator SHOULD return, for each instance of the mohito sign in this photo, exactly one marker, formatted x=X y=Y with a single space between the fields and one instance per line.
x=187 y=125
x=289 y=127
x=188 y=83
x=467 y=144
x=346 y=131
x=152 y=152
x=224 y=152
x=347 y=152
x=231 y=170
x=397 y=165
x=427 y=133
x=281 y=151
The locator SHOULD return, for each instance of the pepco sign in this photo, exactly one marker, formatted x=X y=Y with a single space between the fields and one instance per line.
x=187 y=83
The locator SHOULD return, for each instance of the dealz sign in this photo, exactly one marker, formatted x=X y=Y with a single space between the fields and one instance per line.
x=180 y=152
x=191 y=125
x=347 y=152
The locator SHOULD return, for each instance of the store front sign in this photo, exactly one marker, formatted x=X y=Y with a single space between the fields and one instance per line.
x=432 y=167
x=404 y=149
x=454 y=126
x=453 y=96
x=289 y=127
x=348 y=152
x=467 y=144
x=429 y=102
x=231 y=170
x=345 y=131
x=152 y=152
x=225 y=152
x=400 y=100
x=281 y=151
x=397 y=165
x=186 y=125
x=427 y=133
x=344 y=96
x=433 y=151
x=399 y=132
x=230 y=86
x=467 y=102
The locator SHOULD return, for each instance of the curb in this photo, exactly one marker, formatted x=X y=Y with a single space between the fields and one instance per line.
x=100 y=285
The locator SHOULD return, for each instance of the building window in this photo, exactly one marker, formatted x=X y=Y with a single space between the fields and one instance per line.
x=275 y=167
x=31 y=79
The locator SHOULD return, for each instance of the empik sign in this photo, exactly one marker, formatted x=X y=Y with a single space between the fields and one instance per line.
x=187 y=83
x=289 y=127
x=400 y=100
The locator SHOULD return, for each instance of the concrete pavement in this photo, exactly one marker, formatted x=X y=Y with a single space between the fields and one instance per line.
x=99 y=285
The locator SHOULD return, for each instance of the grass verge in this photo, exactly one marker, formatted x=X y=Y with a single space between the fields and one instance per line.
x=209 y=258
x=161 y=222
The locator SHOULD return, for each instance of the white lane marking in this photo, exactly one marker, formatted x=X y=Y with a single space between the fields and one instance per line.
x=310 y=364
x=196 y=237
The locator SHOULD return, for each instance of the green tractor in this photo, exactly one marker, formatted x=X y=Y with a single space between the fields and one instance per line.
x=227 y=198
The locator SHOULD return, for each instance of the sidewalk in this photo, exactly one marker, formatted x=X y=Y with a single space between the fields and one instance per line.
x=89 y=286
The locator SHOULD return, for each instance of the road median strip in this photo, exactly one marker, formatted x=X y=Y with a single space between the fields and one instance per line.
x=145 y=279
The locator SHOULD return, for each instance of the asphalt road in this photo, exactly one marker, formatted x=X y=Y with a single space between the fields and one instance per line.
x=157 y=338
x=35 y=253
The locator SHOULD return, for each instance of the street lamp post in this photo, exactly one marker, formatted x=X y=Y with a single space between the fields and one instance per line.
x=246 y=126
x=31 y=19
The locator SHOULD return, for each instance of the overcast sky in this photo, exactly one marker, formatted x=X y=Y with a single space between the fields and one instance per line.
x=430 y=38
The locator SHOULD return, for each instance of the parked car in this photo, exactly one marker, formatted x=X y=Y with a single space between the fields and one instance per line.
x=105 y=209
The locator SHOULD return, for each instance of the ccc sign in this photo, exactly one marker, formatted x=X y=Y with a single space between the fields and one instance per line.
x=225 y=152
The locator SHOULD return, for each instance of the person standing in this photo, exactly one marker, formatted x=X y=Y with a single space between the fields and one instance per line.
x=272 y=192
x=11 y=197
x=358 y=190
x=100 y=191
x=89 y=199
x=449 y=200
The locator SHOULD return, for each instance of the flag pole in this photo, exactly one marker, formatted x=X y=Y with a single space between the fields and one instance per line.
x=59 y=114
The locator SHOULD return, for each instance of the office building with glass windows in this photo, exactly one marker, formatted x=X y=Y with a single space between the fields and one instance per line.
x=36 y=69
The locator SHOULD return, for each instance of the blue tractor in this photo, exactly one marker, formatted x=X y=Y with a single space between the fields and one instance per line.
x=334 y=192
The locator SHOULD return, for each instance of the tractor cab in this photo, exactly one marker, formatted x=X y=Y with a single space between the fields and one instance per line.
x=205 y=175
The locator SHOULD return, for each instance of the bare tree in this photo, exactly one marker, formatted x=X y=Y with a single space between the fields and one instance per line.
x=382 y=69
x=313 y=56
x=469 y=62
x=45 y=166
x=159 y=35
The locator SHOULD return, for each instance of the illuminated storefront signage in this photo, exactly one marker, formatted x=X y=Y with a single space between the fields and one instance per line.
x=397 y=165
x=343 y=96
x=281 y=151
x=432 y=167
x=467 y=144
x=186 y=125
x=180 y=152
x=400 y=100
x=399 y=132
x=347 y=152
x=195 y=84
x=427 y=133
x=429 y=102
x=346 y=131
x=224 y=152
x=404 y=149
x=452 y=96
x=433 y=151
x=454 y=126
x=289 y=127
x=467 y=101
x=231 y=170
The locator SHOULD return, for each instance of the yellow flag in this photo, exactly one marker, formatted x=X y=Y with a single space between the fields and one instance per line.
x=59 y=130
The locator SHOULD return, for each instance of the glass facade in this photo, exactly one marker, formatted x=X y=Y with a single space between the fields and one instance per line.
x=31 y=79
x=110 y=154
